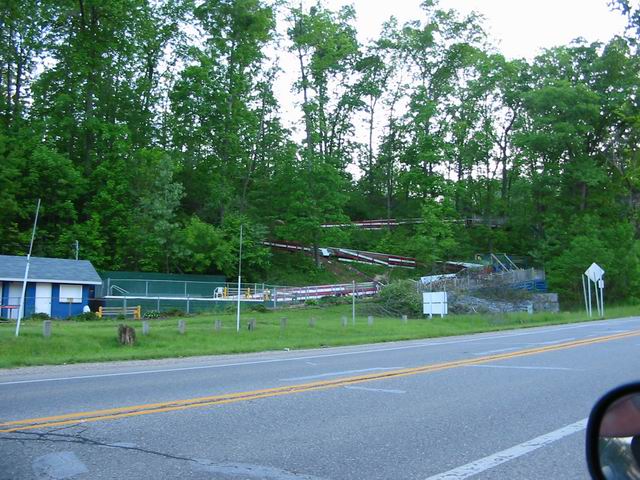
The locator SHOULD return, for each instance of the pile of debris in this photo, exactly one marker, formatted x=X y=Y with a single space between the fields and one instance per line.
x=498 y=285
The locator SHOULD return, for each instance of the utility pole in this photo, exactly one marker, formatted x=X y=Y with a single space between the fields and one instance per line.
x=26 y=272
x=353 y=302
x=77 y=246
x=239 y=275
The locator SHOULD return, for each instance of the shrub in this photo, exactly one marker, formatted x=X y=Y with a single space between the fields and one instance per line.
x=151 y=314
x=402 y=298
x=174 y=312
x=229 y=307
x=38 y=316
x=333 y=300
x=258 y=307
x=84 y=317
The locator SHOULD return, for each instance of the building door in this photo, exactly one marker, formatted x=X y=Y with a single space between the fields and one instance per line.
x=15 y=290
x=43 y=298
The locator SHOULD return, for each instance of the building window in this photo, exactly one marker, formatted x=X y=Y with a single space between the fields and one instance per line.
x=70 y=293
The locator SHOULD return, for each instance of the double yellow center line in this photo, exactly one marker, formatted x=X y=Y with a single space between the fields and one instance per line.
x=147 y=409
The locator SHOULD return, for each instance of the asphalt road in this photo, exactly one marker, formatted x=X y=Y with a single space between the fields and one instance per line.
x=491 y=406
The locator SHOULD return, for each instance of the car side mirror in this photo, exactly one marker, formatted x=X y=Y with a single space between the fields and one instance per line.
x=613 y=435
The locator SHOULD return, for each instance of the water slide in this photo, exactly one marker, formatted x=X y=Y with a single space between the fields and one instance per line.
x=349 y=255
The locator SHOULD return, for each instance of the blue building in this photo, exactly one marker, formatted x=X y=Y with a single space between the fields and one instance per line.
x=56 y=286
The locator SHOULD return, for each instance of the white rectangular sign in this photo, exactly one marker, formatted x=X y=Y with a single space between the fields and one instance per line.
x=434 y=303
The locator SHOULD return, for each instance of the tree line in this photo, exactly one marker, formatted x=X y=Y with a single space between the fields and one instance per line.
x=151 y=130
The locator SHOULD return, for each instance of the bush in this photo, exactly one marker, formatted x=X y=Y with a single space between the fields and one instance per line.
x=229 y=307
x=258 y=307
x=174 y=312
x=333 y=300
x=151 y=314
x=84 y=317
x=402 y=298
x=311 y=302
x=38 y=316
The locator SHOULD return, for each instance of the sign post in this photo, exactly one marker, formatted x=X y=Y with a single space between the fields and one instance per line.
x=594 y=275
x=239 y=277
x=26 y=273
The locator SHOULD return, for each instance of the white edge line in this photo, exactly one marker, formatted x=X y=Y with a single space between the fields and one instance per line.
x=486 y=463
x=292 y=359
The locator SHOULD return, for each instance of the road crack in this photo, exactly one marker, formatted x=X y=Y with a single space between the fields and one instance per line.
x=227 y=469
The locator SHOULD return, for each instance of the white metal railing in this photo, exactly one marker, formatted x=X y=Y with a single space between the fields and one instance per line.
x=289 y=294
x=118 y=289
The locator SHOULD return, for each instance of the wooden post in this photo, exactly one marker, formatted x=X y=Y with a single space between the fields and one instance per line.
x=404 y=319
x=218 y=325
x=283 y=323
x=126 y=335
x=182 y=325
x=312 y=322
x=344 y=321
x=145 y=327
x=46 y=328
x=370 y=320
x=252 y=324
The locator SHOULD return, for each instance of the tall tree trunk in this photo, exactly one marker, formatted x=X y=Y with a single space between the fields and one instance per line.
x=18 y=89
x=89 y=30
x=460 y=176
x=305 y=107
x=9 y=78
x=583 y=196
x=258 y=150
x=372 y=108
x=503 y=145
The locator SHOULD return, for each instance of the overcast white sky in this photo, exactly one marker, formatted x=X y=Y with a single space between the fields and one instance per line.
x=522 y=27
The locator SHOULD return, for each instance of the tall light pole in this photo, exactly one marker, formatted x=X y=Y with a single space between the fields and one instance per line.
x=239 y=275
x=26 y=272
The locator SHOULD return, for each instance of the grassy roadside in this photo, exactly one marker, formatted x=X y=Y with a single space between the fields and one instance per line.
x=74 y=342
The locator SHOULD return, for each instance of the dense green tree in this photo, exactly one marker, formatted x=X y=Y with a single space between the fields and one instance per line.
x=151 y=131
x=222 y=104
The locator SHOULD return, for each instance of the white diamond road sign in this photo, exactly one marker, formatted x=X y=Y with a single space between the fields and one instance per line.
x=594 y=272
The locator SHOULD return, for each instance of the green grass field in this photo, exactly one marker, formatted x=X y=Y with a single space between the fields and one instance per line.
x=73 y=342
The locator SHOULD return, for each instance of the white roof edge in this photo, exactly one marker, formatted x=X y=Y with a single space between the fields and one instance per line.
x=49 y=280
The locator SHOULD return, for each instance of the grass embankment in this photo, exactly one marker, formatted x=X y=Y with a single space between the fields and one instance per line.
x=73 y=342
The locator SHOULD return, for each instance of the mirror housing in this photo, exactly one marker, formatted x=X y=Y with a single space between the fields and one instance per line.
x=594 y=442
